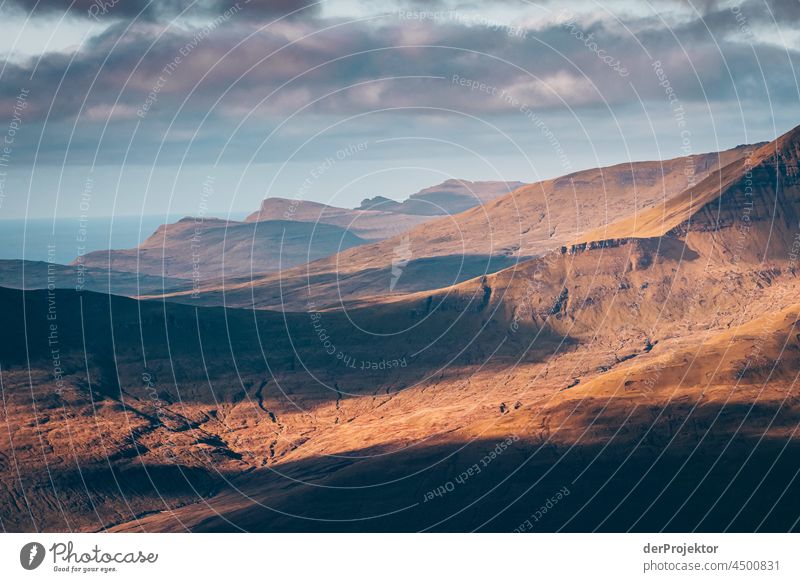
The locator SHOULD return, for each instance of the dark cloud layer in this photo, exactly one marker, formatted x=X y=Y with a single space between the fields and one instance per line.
x=146 y=73
x=152 y=9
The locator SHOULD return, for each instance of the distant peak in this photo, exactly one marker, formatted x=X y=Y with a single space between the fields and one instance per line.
x=370 y=203
x=270 y=199
x=198 y=219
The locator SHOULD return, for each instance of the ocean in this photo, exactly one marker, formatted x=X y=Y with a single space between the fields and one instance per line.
x=65 y=239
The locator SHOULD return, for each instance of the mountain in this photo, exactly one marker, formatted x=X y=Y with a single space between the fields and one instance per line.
x=203 y=250
x=752 y=205
x=449 y=197
x=380 y=217
x=717 y=254
x=280 y=235
x=528 y=222
x=640 y=377
x=370 y=225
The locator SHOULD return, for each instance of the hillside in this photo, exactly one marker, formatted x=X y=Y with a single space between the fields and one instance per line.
x=758 y=194
x=379 y=217
x=651 y=380
x=370 y=225
x=203 y=250
x=528 y=222
x=449 y=197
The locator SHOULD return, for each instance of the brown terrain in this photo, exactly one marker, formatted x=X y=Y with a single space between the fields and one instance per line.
x=282 y=234
x=380 y=217
x=211 y=249
x=370 y=225
x=526 y=223
x=449 y=197
x=633 y=367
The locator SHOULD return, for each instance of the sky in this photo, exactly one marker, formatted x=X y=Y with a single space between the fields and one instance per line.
x=135 y=107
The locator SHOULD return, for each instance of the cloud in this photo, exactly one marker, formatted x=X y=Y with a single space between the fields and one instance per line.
x=153 y=9
x=157 y=74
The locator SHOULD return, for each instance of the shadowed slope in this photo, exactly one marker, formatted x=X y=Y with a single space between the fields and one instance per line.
x=204 y=249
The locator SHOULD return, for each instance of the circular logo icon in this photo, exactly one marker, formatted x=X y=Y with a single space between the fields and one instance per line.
x=31 y=555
